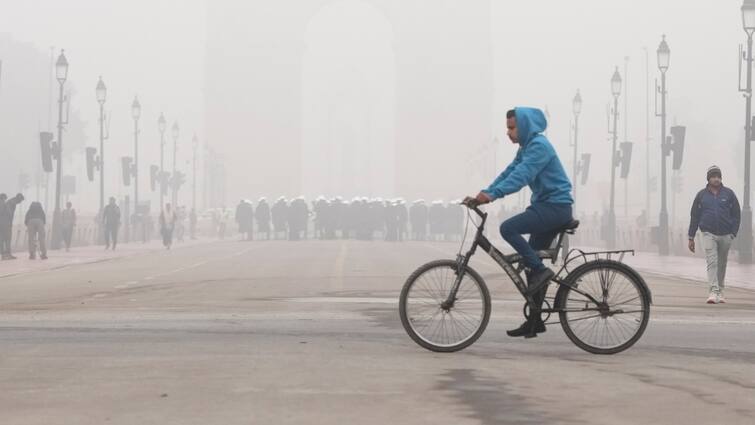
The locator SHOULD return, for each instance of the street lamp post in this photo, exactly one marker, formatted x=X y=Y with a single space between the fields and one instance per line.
x=161 y=127
x=576 y=109
x=101 y=96
x=61 y=73
x=664 y=57
x=136 y=112
x=195 y=144
x=101 y=92
x=175 y=148
x=745 y=232
x=615 y=91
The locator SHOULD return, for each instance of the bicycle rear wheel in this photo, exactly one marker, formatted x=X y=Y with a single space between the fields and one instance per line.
x=428 y=323
x=616 y=316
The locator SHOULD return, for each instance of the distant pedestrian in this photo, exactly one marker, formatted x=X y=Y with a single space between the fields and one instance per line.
x=5 y=229
x=262 y=215
x=244 y=219
x=279 y=213
x=715 y=211
x=67 y=223
x=223 y=216
x=111 y=219
x=167 y=225
x=6 y=223
x=35 y=221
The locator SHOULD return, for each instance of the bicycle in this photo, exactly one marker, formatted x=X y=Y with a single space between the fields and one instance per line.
x=603 y=305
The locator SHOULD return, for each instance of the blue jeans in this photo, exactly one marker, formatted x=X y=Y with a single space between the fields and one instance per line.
x=541 y=221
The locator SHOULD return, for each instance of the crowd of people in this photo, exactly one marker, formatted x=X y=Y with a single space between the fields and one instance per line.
x=35 y=221
x=360 y=218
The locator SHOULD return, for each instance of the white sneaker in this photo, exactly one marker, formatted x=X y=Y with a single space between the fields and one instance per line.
x=712 y=299
x=721 y=299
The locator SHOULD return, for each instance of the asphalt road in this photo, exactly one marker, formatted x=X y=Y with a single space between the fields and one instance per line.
x=308 y=333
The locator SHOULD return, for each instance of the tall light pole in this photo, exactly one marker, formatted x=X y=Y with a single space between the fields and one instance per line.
x=175 y=148
x=61 y=73
x=626 y=137
x=194 y=144
x=101 y=96
x=647 y=135
x=745 y=232
x=136 y=112
x=576 y=109
x=664 y=58
x=101 y=92
x=161 y=126
x=615 y=91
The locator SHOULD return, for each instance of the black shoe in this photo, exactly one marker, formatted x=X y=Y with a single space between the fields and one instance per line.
x=529 y=329
x=539 y=280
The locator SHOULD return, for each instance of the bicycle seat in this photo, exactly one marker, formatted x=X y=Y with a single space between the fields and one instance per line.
x=570 y=227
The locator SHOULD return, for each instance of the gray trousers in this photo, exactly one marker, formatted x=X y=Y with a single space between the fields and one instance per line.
x=5 y=239
x=36 y=228
x=716 y=255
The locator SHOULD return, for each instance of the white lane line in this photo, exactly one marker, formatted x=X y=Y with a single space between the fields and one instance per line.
x=149 y=278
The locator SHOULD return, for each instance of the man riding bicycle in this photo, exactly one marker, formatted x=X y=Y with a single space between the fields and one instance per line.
x=537 y=165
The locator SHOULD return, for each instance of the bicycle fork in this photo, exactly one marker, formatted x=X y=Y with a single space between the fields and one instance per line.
x=461 y=269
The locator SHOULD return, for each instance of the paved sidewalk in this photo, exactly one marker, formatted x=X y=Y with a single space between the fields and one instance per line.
x=82 y=255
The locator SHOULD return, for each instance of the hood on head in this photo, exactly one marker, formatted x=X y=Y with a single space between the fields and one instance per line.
x=529 y=123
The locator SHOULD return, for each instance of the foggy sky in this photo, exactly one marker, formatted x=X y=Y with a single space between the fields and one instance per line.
x=542 y=52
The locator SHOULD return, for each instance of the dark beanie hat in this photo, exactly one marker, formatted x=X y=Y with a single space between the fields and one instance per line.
x=713 y=171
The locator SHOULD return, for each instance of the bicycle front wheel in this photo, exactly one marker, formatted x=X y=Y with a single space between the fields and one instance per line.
x=428 y=323
x=604 y=306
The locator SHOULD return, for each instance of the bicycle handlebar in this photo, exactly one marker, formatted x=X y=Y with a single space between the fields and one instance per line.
x=472 y=204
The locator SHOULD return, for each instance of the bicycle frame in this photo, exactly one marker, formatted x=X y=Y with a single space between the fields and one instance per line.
x=508 y=266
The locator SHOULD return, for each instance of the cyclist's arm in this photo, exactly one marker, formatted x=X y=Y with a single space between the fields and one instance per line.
x=533 y=161
x=504 y=174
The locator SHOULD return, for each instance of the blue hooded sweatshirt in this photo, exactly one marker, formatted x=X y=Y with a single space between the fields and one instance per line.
x=536 y=164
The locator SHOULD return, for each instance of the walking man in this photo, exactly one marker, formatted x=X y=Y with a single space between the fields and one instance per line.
x=5 y=229
x=68 y=222
x=167 y=225
x=111 y=218
x=6 y=222
x=716 y=212
x=35 y=221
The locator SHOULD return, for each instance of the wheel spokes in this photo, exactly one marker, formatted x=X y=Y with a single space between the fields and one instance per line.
x=616 y=320
x=436 y=325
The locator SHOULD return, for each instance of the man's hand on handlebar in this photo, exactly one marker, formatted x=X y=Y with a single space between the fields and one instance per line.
x=481 y=199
